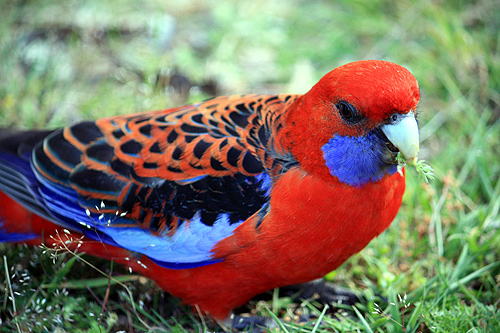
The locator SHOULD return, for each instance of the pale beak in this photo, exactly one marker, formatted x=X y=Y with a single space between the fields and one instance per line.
x=403 y=134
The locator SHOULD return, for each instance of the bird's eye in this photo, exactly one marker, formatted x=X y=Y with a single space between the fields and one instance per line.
x=348 y=112
x=345 y=111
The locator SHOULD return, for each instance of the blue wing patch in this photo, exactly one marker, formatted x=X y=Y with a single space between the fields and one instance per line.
x=189 y=247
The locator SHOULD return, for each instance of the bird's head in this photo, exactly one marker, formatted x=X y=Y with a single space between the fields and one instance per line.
x=354 y=121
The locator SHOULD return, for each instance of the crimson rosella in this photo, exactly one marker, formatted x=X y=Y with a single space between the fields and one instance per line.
x=225 y=199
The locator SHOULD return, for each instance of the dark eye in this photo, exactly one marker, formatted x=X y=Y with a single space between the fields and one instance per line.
x=348 y=112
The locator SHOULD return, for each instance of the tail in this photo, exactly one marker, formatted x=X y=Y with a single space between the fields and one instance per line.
x=20 y=211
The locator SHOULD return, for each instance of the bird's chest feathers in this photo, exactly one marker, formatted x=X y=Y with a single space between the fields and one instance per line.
x=311 y=219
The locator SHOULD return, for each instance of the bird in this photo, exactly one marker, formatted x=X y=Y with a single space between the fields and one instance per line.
x=225 y=199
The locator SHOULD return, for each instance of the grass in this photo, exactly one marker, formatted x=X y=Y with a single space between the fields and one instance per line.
x=66 y=61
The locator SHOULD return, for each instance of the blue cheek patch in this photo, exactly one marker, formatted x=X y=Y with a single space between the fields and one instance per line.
x=356 y=161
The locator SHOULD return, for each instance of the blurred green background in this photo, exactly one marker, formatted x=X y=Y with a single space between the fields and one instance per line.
x=65 y=61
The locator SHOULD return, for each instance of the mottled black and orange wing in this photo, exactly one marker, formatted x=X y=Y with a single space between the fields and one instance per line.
x=169 y=184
